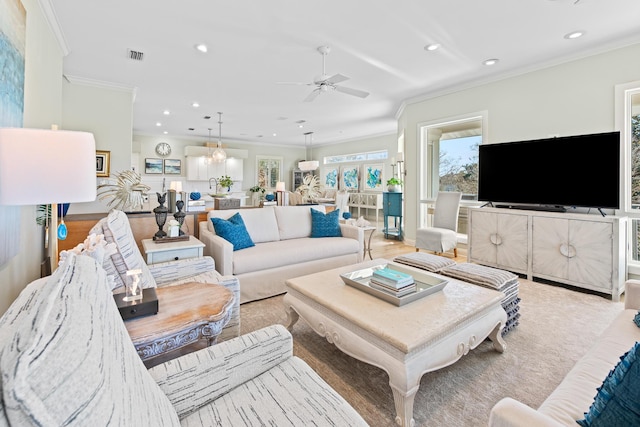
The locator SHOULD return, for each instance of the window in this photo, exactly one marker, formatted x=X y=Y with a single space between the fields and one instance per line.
x=449 y=162
x=268 y=170
x=628 y=121
x=357 y=157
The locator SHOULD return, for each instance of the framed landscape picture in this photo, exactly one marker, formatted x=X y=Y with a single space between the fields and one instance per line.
x=172 y=166
x=349 y=177
x=152 y=165
x=372 y=177
x=329 y=177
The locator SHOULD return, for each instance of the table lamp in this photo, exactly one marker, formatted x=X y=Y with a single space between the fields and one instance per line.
x=280 y=189
x=41 y=166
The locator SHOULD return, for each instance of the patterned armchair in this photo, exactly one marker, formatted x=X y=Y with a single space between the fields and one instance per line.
x=115 y=228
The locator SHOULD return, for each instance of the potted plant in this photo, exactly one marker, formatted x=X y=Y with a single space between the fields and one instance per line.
x=257 y=194
x=225 y=182
x=394 y=185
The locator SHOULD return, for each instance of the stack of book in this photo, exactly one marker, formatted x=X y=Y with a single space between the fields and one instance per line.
x=393 y=282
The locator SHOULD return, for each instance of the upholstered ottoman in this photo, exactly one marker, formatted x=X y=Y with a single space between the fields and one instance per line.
x=488 y=277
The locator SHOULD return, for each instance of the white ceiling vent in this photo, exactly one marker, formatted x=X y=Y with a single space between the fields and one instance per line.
x=135 y=55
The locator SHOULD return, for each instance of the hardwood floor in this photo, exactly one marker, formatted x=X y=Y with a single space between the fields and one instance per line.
x=390 y=248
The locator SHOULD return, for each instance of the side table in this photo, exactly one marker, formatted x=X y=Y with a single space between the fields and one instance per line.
x=186 y=314
x=171 y=251
x=367 y=242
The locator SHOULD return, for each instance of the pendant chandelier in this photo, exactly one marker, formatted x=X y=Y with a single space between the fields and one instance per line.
x=218 y=154
x=308 y=165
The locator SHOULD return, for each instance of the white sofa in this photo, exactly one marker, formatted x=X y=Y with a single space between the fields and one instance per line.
x=283 y=248
x=67 y=359
x=575 y=394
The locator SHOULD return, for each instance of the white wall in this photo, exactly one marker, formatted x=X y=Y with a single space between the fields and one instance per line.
x=572 y=98
x=108 y=114
x=42 y=108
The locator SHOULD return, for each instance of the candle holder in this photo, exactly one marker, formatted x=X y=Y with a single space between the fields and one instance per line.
x=161 y=216
x=133 y=289
x=179 y=216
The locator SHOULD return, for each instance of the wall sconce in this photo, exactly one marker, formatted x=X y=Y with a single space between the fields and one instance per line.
x=401 y=172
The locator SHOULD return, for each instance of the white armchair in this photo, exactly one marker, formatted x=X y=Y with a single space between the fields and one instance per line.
x=442 y=237
x=116 y=229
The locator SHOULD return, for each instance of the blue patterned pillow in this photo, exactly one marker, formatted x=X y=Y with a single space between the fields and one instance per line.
x=617 y=402
x=234 y=231
x=636 y=319
x=325 y=225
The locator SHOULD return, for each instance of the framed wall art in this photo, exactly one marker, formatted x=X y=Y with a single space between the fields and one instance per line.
x=172 y=167
x=372 y=177
x=349 y=177
x=103 y=163
x=329 y=177
x=153 y=166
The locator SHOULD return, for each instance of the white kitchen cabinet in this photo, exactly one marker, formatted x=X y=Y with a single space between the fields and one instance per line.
x=586 y=251
x=234 y=168
x=198 y=169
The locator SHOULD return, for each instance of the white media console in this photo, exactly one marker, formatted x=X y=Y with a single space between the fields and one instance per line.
x=586 y=251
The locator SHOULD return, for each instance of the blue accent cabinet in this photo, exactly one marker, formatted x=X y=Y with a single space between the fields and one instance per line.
x=392 y=207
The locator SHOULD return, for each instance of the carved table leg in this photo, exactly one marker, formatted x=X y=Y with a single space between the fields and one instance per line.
x=495 y=336
x=404 y=406
x=292 y=318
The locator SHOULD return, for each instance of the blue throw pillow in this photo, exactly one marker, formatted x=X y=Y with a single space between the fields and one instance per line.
x=636 y=319
x=234 y=231
x=617 y=402
x=325 y=225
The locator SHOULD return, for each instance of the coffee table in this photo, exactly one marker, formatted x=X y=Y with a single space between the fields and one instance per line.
x=407 y=342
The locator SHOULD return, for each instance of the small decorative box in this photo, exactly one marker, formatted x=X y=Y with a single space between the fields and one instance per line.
x=144 y=307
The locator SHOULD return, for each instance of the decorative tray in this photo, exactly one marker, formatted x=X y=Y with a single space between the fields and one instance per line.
x=171 y=239
x=426 y=283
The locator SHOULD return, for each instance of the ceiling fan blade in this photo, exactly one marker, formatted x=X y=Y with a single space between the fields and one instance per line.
x=350 y=91
x=313 y=95
x=294 y=83
x=336 y=78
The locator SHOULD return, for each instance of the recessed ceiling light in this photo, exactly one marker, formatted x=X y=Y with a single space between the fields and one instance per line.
x=158 y=124
x=202 y=47
x=432 y=47
x=165 y=132
x=195 y=105
x=300 y=126
x=275 y=134
x=166 y=112
x=574 y=35
x=492 y=61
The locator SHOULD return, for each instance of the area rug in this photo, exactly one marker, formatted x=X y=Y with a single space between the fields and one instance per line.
x=557 y=326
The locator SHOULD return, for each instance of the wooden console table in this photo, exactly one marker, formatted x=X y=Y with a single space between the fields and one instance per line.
x=186 y=314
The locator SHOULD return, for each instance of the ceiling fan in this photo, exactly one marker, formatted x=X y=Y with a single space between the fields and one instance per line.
x=325 y=83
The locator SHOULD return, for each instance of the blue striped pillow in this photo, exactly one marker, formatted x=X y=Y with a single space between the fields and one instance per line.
x=325 y=225
x=234 y=231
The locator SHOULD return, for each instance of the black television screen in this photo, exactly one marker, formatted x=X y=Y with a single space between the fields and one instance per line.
x=575 y=171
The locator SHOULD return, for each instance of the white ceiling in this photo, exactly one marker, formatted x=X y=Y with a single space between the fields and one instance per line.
x=379 y=44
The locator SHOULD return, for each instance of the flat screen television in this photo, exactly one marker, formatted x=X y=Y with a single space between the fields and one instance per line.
x=572 y=171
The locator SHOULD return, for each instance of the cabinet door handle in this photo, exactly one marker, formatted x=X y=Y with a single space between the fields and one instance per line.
x=495 y=239
x=568 y=250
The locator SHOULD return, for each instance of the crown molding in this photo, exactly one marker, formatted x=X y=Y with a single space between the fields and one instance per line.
x=77 y=80
x=52 y=20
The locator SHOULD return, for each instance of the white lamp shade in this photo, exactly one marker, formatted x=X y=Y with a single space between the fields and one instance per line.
x=280 y=186
x=308 y=165
x=39 y=166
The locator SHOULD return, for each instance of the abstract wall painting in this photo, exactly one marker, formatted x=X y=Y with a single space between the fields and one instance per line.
x=329 y=177
x=372 y=177
x=349 y=177
x=13 y=25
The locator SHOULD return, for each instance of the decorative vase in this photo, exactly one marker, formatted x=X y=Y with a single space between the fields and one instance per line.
x=395 y=188
x=346 y=215
x=195 y=195
x=270 y=197
x=161 y=216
